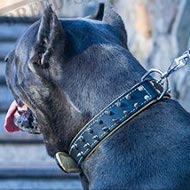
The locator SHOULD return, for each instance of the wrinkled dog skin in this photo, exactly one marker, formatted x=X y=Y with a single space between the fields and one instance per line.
x=66 y=71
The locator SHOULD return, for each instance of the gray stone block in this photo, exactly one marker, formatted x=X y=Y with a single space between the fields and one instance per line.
x=2 y=119
x=5 y=98
x=26 y=155
x=181 y=29
x=40 y=170
x=2 y=69
x=6 y=47
x=40 y=184
x=11 y=32
x=2 y=73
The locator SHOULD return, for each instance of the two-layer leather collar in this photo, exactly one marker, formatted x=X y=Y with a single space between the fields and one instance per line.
x=107 y=122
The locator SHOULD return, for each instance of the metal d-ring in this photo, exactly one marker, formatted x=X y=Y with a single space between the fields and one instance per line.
x=163 y=81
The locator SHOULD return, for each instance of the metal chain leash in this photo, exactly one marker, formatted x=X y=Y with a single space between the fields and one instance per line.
x=177 y=64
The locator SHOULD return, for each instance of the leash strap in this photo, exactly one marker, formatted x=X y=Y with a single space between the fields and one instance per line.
x=113 y=117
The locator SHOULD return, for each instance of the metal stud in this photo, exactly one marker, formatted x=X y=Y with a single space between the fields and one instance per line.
x=140 y=88
x=125 y=112
x=136 y=105
x=90 y=130
x=146 y=97
x=81 y=138
x=75 y=146
x=118 y=104
x=87 y=145
x=128 y=97
x=96 y=137
x=100 y=122
x=80 y=154
x=106 y=129
x=108 y=112
x=115 y=120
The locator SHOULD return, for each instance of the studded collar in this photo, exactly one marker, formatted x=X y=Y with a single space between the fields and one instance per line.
x=107 y=122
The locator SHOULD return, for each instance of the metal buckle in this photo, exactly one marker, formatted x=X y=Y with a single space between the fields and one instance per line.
x=66 y=163
x=163 y=81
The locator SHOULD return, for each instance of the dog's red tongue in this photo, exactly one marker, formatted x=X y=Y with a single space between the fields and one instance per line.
x=9 y=119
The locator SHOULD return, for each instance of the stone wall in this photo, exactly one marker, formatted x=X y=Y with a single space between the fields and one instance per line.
x=159 y=31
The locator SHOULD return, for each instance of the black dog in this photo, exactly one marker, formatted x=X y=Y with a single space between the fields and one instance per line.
x=65 y=72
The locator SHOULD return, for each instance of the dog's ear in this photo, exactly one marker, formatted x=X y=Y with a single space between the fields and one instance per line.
x=100 y=13
x=112 y=18
x=49 y=34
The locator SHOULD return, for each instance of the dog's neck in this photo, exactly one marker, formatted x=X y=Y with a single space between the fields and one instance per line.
x=100 y=82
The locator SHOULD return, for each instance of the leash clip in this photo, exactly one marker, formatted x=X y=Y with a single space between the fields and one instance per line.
x=163 y=81
x=177 y=64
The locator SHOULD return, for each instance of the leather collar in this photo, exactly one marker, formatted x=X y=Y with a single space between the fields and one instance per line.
x=107 y=122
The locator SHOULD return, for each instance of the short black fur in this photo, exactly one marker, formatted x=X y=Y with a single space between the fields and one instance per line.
x=67 y=70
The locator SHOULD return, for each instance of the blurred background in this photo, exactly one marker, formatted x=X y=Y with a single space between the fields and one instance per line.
x=158 y=31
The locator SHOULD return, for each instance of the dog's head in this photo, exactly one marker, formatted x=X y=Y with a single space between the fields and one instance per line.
x=59 y=74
